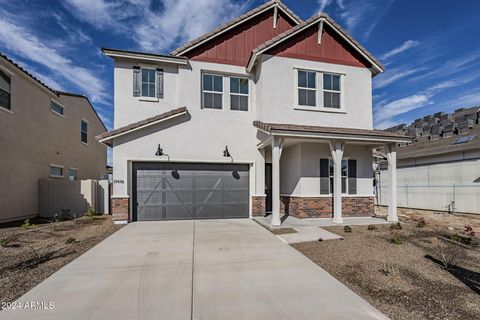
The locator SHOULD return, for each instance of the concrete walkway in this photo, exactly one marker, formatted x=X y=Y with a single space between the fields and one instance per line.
x=219 y=269
x=292 y=222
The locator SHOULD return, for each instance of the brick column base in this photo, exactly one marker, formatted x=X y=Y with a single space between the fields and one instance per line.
x=259 y=206
x=322 y=207
x=120 y=208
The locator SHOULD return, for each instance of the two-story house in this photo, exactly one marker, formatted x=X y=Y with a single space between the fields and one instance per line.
x=44 y=134
x=267 y=113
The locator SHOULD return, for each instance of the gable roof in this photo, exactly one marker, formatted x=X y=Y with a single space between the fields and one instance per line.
x=241 y=19
x=377 y=65
x=137 y=55
x=107 y=137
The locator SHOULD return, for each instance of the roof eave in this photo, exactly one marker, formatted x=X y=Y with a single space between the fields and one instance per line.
x=144 y=56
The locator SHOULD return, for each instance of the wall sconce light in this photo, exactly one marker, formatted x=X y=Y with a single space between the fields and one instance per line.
x=226 y=153
x=160 y=153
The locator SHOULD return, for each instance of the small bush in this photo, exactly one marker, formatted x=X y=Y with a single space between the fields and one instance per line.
x=27 y=225
x=396 y=238
x=447 y=254
x=90 y=213
x=347 y=229
x=469 y=231
x=421 y=223
x=396 y=226
x=461 y=238
x=372 y=227
x=4 y=242
x=70 y=240
x=388 y=269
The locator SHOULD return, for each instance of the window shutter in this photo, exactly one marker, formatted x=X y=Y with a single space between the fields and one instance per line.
x=160 y=83
x=352 y=176
x=324 y=177
x=136 y=81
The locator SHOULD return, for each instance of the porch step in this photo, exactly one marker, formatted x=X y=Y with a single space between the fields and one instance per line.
x=308 y=234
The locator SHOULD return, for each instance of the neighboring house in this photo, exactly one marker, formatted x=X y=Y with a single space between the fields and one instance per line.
x=441 y=166
x=199 y=133
x=43 y=134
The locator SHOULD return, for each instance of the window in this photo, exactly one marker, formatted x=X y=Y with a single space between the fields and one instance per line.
x=55 y=107
x=148 y=83
x=5 y=90
x=239 y=94
x=84 y=131
x=307 y=88
x=331 y=90
x=72 y=174
x=349 y=176
x=56 y=172
x=212 y=87
x=344 y=175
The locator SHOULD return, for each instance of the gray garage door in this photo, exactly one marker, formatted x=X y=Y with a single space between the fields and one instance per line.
x=173 y=191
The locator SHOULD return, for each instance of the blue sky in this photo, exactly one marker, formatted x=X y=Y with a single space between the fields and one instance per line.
x=431 y=48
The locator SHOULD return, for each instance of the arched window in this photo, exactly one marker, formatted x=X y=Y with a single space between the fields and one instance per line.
x=5 y=93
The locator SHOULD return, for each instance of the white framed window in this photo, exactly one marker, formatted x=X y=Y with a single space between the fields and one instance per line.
x=307 y=88
x=332 y=91
x=5 y=90
x=56 y=108
x=84 y=131
x=239 y=94
x=55 y=171
x=212 y=91
x=344 y=175
x=349 y=176
x=72 y=174
x=148 y=83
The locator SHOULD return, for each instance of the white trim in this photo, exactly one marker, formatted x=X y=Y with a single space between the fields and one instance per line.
x=144 y=57
x=148 y=99
x=212 y=91
x=320 y=109
x=6 y=110
x=120 y=196
x=344 y=195
x=141 y=127
x=55 y=112
x=190 y=160
x=320 y=32
x=333 y=136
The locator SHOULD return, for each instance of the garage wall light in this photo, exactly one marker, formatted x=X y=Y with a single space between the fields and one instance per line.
x=160 y=153
x=227 y=154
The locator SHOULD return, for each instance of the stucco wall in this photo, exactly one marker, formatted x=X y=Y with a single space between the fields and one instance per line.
x=32 y=137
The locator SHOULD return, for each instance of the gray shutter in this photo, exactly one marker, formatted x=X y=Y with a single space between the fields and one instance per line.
x=352 y=176
x=136 y=81
x=324 y=177
x=160 y=83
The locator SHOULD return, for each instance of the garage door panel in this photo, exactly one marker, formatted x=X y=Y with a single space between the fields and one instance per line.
x=165 y=191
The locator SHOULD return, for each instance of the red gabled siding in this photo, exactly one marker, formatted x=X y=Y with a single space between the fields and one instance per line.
x=235 y=46
x=333 y=49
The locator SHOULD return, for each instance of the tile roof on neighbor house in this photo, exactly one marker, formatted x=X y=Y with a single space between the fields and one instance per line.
x=108 y=136
x=307 y=23
x=224 y=27
x=379 y=134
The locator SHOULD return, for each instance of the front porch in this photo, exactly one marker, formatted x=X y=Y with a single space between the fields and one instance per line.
x=320 y=172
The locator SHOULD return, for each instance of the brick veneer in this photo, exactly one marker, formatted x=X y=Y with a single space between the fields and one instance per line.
x=322 y=207
x=259 y=205
x=120 y=209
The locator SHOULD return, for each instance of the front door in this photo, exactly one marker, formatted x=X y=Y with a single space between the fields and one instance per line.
x=268 y=186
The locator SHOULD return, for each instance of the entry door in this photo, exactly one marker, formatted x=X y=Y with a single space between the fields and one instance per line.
x=176 y=191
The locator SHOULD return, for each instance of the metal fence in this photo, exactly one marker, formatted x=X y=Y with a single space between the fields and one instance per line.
x=434 y=197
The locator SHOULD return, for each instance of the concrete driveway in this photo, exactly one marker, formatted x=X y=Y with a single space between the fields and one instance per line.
x=219 y=269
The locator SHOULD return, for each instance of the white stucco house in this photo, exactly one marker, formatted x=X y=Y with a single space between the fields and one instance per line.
x=267 y=114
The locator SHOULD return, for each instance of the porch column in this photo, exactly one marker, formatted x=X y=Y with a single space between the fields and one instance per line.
x=392 y=177
x=336 y=148
x=277 y=145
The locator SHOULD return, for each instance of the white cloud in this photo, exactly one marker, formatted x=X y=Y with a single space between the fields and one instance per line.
x=322 y=4
x=452 y=67
x=404 y=47
x=153 y=29
x=390 y=76
x=27 y=45
x=384 y=115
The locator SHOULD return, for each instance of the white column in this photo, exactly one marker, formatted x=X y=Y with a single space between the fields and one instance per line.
x=277 y=145
x=336 y=148
x=392 y=177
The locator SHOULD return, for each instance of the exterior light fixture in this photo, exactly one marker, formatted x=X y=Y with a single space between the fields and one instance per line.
x=160 y=153
x=227 y=154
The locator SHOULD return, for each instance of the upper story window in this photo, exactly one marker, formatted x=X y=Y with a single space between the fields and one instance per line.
x=56 y=171
x=84 y=131
x=239 y=94
x=148 y=82
x=331 y=90
x=212 y=91
x=307 y=88
x=55 y=107
x=72 y=174
x=5 y=90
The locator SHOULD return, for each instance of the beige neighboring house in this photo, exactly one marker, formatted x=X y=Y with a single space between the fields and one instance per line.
x=43 y=134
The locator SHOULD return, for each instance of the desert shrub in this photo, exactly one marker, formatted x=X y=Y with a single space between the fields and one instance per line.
x=347 y=229
x=396 y=226
x=90 y=213
x=27 y=225
x=34 y=259
x=469 y=231
x=372 y=227
x=447 y=254
x=70 y=240
x=389 y=269
x=461 y=238
x=421 y=223
x=4 y=242
x=396 y=238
